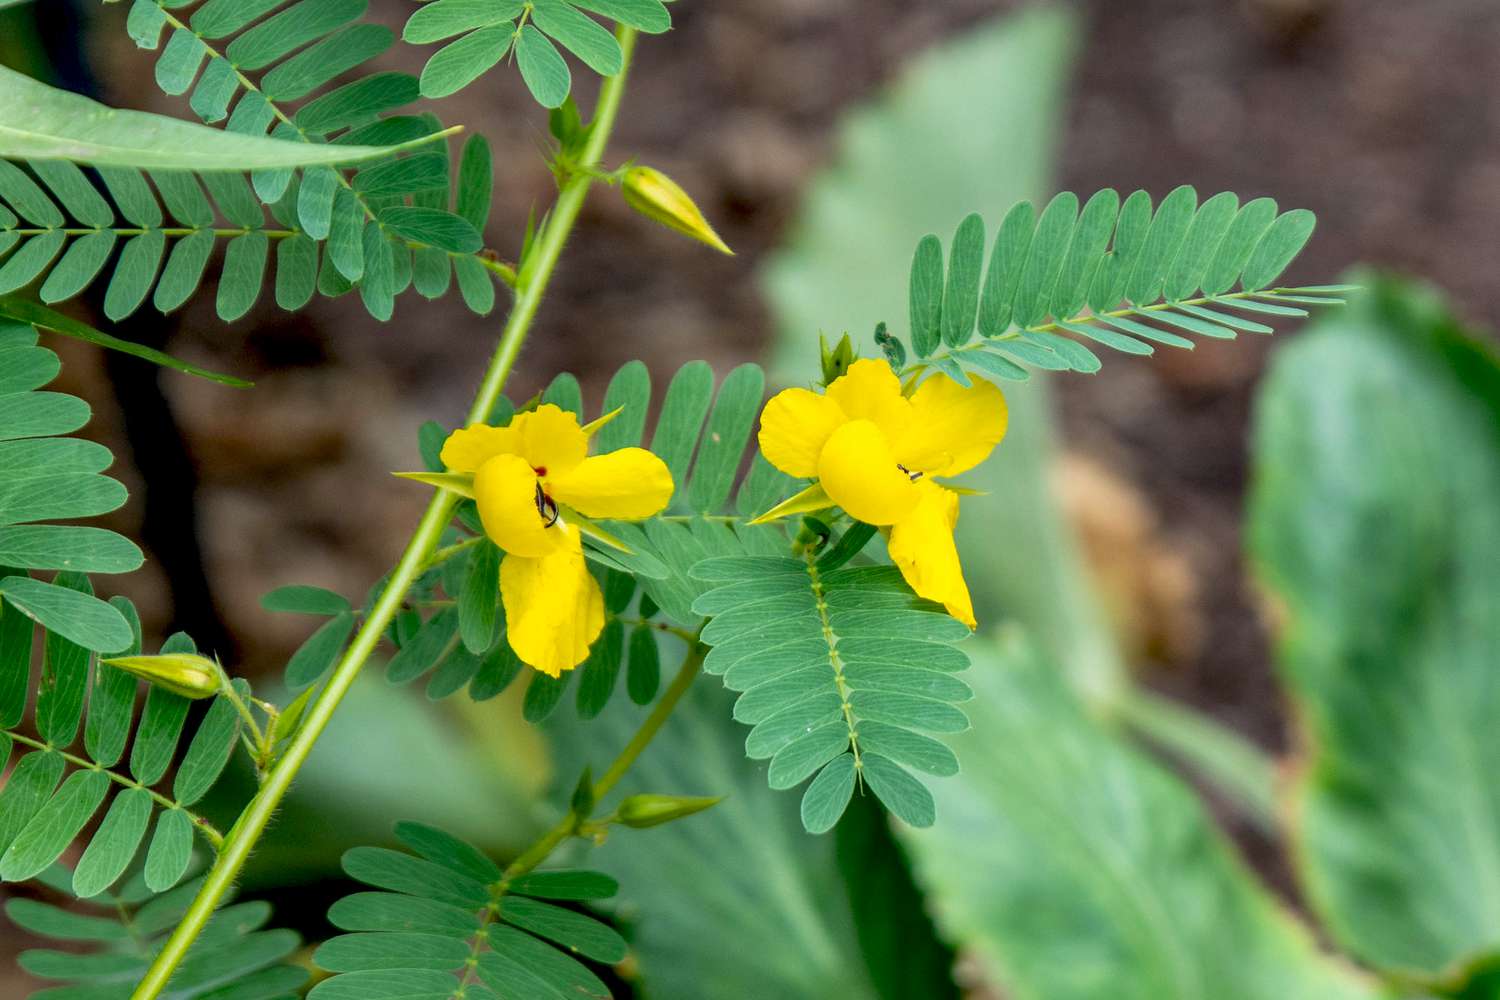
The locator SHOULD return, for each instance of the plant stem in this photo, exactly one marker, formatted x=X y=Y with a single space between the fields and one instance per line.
x=424 y=541
x=565 y=827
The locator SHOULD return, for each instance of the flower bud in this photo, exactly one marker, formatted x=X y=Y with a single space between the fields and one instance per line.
x=659 y=198
x=187 y=674
x=836 y=362
x=641 y=811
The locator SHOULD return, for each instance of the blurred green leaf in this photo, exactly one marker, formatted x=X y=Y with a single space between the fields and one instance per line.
x=1375 y=526
x=1076 y=869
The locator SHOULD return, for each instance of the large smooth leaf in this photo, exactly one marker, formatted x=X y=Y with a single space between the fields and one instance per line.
x=1076 y=869
x=39 y=122
x=1375 y=525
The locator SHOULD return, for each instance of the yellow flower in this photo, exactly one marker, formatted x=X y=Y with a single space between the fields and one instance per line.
x=876 y=453
x=528 y=479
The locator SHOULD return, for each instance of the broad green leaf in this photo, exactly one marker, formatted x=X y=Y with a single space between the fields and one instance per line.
x=68 y=547
x=209 y=750
x=543 y=69
x=1373 y=524
x=572 y=930
x=460 y=63
x=926 y=294
x=601 y=670
x=357 y=102
x=304 y=600
x=476 y=180
x=45 y=123
x=16 y=633
x=581 y=35
x=316 y=656
x=1200 y=246
x=290 y=29
x=442 y=19
x=114 y=844
x=643 y=676
x=171 y=850
x=1276 y=249
x=53 y=828
x=1163 y=240
x=135 y=273
x=63 y=925
x=157 y=734
x=317 y=64
x=441 y=847
x=27 y=789
x=400 y=872
x=1244 y=234
x=543 y=695
x=362 y=952
x=1072 y=868
x=388 y=911
x=244 y=272
x=81 y=618
x=724 y=438
x=479 y=600
x=682 y=412
x=432 y=226
x=1044 y=261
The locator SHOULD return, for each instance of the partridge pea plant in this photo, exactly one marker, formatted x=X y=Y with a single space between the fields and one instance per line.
x=799 y=551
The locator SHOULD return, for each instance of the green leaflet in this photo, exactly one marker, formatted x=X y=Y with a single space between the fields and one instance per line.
x=1375 y=445
x=45 y=123
x=414 y=935
x=487 y=31
x=812 y=674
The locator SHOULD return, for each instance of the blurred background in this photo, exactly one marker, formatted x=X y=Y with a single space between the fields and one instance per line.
x=1379 y=115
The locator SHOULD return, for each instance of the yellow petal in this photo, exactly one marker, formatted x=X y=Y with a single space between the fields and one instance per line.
x=553 y=607
x=858 y=471
x=808 y=500
x=870 y=391
x=794 y=427
x=628 y=484
x=549 y=438
x=953 y=428
x=468 y=449
x=505 y=490
x=921 y=545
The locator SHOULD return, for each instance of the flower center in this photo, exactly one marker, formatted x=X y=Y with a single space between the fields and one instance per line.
x=546 y=507
x=913 y=476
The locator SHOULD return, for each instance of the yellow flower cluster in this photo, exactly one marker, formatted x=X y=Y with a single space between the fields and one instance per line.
x=873 y=449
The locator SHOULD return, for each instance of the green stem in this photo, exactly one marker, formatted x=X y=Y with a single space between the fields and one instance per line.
x=203 y=826
x=568 y=825
x=424 y=541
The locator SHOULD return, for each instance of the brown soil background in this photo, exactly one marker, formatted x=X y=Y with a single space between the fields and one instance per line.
x=1380 y=115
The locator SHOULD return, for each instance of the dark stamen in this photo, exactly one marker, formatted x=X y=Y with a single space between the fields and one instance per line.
x=547 y=507
x=913 y=476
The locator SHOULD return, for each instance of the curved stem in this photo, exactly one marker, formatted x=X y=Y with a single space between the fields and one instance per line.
x=424 y=541
x=568 y=825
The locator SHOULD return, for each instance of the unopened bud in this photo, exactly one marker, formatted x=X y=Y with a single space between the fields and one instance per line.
x=187 y=674
x=836 y=361
x=661 y=199
x=641 y=811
